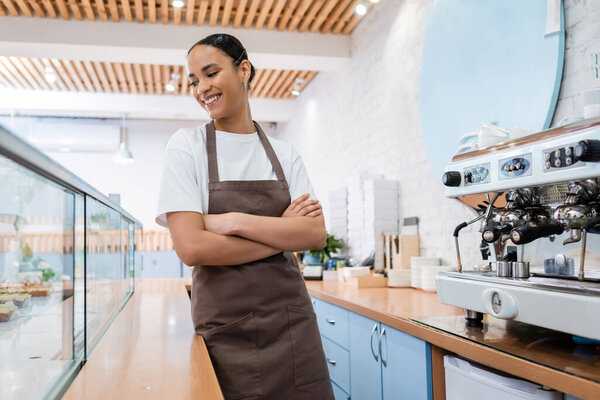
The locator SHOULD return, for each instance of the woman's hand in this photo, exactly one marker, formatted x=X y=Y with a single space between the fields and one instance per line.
x=302 y=207
x=223 y=224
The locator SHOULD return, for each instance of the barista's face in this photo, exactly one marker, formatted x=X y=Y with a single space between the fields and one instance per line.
x=215 y=82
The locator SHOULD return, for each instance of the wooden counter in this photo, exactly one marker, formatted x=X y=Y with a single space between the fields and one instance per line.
x=150 y=351
x=398 y=307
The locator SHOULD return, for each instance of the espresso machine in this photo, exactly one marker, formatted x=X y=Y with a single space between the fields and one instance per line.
x=536 y=202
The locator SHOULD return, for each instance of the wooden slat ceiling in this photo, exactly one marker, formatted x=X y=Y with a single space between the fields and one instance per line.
x=110 y=77
x=325 y=16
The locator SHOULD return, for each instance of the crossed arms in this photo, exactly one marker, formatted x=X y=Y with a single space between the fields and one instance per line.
x=237 y=238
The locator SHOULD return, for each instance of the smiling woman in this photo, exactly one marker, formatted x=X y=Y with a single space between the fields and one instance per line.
x=225 y=196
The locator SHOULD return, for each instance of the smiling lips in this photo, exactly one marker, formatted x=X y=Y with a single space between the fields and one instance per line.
x=210 y=100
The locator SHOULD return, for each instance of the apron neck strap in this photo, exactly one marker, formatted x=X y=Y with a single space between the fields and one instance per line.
x=211 y=151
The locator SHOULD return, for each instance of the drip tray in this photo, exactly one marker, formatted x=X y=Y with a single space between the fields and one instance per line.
x=559 y=283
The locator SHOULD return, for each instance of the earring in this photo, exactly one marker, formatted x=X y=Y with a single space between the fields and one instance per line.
x=246 y=86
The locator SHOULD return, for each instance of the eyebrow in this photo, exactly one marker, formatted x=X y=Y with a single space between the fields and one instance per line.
x=208 y=66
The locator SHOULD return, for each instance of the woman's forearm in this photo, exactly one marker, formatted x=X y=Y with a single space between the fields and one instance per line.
x=208 y=248
x=288 y=234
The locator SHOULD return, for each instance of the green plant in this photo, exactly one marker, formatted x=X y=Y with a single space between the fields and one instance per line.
x=332 y=245
x=47 y=274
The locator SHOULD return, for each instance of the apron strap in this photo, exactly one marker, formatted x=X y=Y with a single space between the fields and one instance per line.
x=270 y=153
x=211 y=151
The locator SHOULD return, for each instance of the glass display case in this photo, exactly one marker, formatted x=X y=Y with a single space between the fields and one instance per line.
x=67 y=257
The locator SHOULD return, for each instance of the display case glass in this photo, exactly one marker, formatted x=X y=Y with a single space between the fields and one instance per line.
x=67 y=257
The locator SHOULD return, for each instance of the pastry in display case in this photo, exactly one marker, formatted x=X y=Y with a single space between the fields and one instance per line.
x=53 y=311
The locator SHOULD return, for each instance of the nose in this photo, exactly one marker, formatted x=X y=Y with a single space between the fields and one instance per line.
x=203 y=86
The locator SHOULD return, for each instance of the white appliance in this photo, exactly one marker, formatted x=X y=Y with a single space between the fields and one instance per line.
x=537 y=202
x=466 y=381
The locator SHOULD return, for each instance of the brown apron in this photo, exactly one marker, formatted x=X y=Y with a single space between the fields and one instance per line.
x=257 y=318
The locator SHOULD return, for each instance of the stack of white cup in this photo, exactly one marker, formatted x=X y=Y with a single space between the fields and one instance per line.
x=399 y=277
x=428 y=274
x=416 y=264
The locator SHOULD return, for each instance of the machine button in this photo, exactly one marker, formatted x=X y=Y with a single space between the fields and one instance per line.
x=557 y=163
x=557 y=153
x=568 y=161
x=568 y=151
x=548 y=165
x=547 y=156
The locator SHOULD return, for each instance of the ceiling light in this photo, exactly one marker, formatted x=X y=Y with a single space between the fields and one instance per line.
x=49 y=74
x=123 y=155
x=178 y=3
x=374 y=1
x=171 y=85
x=361 y=9
x=296 y=90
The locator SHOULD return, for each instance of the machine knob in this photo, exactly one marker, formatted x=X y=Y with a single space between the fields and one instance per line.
x=588 y=150
x=451 y=178
x=526 y=234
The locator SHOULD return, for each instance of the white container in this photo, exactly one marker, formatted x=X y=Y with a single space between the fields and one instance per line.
x=420 y=261
x=380 y=184
x=465 y=380
x=428 y=274
x=355 y=271
x=591 y=111
x=591 y=103
x=415 y=277
x=399 y=277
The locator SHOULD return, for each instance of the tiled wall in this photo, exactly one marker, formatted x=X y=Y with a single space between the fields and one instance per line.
x=366 y=117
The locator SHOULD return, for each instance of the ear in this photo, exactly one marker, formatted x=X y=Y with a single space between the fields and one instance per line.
x=244 y=70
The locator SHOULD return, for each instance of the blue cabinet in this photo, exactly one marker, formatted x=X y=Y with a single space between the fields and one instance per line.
x=333 y=322
x=339 y=394
x=338 y=362
x=365 y=363
x=333 y=326
x=405 y=366
x=372 y=361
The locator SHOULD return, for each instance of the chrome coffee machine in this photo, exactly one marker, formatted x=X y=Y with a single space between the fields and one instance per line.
x=536 y=201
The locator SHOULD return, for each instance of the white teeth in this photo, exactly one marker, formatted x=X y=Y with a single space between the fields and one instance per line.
x=211 y=99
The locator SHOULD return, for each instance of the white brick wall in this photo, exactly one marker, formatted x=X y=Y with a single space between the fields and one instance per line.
x=582 y=35
x=366 y=117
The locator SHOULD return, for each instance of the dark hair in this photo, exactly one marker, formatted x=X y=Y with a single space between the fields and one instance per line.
x=231 y=46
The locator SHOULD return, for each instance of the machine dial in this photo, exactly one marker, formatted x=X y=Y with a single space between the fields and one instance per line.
x=451 y=178
x=496 y=303
x=588 y=150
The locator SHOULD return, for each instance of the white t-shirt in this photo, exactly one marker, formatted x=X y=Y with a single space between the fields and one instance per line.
x=184 y=180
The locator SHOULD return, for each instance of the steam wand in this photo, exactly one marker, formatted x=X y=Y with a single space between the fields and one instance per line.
x=464 y=224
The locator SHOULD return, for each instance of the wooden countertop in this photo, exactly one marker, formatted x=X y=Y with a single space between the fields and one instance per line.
x=150 y=351
x=397 y=307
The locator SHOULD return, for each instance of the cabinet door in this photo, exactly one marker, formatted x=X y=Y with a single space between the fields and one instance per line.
x=365 y=366
x=406 y=366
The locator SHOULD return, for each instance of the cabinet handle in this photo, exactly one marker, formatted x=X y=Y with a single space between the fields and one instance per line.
x=331 y=321
x=375 y=356
x=383 y=361
x=330 y=361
